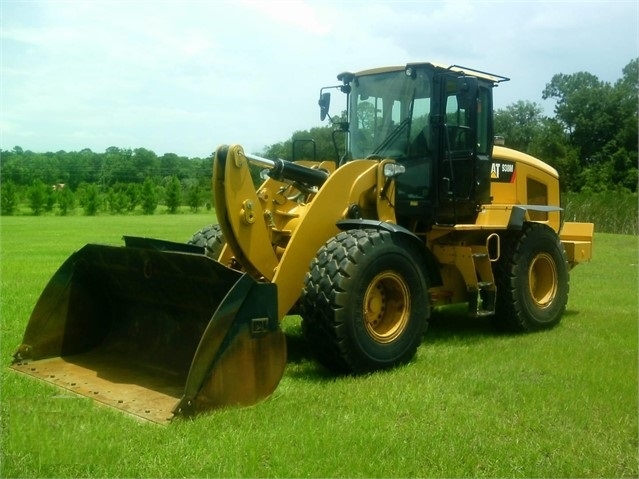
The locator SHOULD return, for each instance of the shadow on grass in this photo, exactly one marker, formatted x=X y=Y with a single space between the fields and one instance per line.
x=447 y=325
x=453 y=323
x=301 y=363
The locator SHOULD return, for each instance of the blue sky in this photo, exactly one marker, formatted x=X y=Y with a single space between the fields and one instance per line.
x=185 y=76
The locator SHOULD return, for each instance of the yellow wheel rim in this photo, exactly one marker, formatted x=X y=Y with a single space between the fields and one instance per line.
x=386 y=307
x=543 y=280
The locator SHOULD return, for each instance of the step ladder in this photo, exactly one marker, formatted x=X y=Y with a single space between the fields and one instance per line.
x=475 y=265
x=482 y=294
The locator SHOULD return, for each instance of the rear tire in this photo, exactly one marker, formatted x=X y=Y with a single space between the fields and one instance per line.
x=532 y=280
x=365 y=304
x=211 y=239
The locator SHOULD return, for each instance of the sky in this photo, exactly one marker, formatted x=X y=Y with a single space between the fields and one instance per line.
x=186 y=76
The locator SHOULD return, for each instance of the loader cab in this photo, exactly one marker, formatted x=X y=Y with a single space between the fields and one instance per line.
x=435 y=121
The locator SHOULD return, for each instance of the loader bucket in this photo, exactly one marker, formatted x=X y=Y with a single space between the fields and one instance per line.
x=157 y=329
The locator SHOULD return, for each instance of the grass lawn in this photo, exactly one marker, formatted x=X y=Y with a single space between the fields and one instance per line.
x=473 y=403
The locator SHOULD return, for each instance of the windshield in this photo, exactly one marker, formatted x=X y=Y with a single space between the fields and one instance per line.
x=389 y=114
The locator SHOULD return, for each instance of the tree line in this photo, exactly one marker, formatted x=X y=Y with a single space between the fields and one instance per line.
x=591 y=139
x=117 y=181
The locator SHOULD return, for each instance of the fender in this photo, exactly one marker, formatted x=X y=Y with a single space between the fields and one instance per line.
x=430 y=261
x=519 y=213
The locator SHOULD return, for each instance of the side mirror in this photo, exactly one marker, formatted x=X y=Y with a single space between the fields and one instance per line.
x=467 y=88
x=324 y=104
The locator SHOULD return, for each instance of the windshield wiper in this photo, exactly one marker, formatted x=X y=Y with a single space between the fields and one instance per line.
x=390 y=139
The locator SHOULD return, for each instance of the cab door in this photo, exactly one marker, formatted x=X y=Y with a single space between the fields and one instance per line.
x=464 y=145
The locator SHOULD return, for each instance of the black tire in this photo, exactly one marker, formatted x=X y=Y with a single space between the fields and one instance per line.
x=365 y=304
x=532 y=280
x=211 y=239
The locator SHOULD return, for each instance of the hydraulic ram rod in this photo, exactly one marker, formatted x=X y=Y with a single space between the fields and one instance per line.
x=282 y=169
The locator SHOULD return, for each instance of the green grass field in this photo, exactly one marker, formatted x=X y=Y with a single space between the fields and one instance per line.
x=473 y=403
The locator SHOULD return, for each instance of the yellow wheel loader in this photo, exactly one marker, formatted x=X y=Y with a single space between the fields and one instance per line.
x=420 y=209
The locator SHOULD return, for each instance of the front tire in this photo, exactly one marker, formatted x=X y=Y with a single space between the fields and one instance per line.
x=365 y=304
x=532 y=280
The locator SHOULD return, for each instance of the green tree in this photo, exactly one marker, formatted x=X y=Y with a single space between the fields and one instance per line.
x=195 y=197
x=322 y=139
x=8 y=198
x=146 y=165
x=117 y=198
x=133 y=192
x=66 y=200
x=169 y=164
x=49 y=202
x=173 y=195
x=149 y=197
x=622 y=164
x=82 y=167
x=601 y=124
x=38 y=194
x=89 y=198
x=622 y=150
x=584 y=107
x=12 y=168
x=117 y=167
x=520 y=124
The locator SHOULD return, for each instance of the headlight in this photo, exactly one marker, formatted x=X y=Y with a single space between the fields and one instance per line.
x=391 y=170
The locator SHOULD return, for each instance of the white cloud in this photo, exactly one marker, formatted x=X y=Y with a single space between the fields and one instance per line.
x=183 y=77
x=295 y=14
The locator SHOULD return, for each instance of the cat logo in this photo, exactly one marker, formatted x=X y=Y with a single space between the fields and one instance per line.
x=503 y=172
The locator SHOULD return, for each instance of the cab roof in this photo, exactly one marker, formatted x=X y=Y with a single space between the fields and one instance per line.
x=438 y=66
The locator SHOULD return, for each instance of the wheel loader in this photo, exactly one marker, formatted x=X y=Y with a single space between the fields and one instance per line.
x=421 y=208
